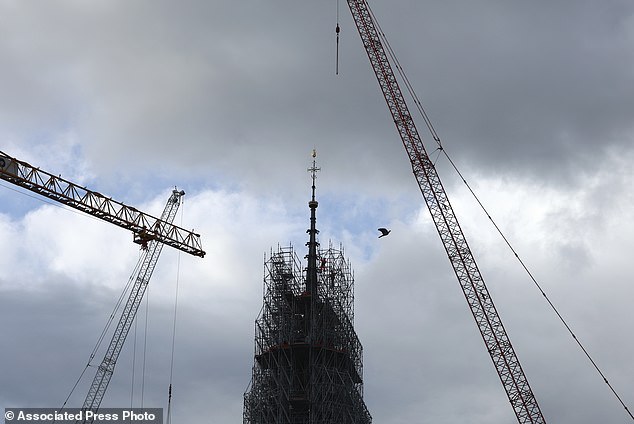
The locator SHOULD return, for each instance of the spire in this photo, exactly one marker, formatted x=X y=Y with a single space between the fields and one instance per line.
x=311 y=276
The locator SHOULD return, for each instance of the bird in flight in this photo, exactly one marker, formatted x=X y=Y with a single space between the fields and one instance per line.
x=384 y=232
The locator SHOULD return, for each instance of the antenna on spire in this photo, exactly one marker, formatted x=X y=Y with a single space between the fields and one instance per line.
x=311 y=277
x=313 y=170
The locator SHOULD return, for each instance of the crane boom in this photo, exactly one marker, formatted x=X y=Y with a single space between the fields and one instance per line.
x=476 y=293
x=148 y=262
x=145 y=227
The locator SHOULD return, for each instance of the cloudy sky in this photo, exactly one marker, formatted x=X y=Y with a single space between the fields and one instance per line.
x=533 y=100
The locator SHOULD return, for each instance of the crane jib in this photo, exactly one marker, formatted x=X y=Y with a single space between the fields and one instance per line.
x=475 y=291
x=150 y=232
x=145 y=227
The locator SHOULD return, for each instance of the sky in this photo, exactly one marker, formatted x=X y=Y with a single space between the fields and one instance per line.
x=226 y=100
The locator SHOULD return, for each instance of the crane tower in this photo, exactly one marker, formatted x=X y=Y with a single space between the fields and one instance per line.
x=147 y=263
x=150 y=232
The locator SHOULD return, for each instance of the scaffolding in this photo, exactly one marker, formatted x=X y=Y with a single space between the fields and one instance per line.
x=308 y=366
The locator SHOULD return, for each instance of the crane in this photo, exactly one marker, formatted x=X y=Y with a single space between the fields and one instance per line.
x=150 y=232
x=453 y=239
x=144 y=227
x=147 y=263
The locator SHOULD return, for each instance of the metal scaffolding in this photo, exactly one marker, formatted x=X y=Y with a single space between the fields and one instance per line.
x=308 y=364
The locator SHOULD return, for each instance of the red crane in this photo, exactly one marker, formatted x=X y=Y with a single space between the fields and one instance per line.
x=476 y=293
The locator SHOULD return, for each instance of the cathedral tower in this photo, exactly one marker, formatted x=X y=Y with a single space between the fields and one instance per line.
x=308 y=366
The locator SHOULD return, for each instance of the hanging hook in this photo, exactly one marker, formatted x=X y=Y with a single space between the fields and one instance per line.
x=337 y=31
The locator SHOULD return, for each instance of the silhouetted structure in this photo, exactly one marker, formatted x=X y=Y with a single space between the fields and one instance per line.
x=308 y=366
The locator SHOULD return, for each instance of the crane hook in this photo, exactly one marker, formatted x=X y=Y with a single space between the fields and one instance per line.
x=337 y=30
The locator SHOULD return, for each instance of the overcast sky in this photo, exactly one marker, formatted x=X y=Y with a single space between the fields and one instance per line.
x=534 y=101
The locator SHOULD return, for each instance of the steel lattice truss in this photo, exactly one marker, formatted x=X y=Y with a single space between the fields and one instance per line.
x=141 y=280
x=486 y=316
x=300 y=377
x=145 y=227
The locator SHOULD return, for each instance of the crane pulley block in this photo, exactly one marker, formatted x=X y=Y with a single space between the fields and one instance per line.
x=8 y=166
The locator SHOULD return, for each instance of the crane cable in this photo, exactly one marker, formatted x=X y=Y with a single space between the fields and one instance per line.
x=401 y=72
x=534 y=280
x=93 y=353
x=57 y=205
x=434 y=134
x=145 y=332
x=119 y=303
x=136 y=325
x=178 y=271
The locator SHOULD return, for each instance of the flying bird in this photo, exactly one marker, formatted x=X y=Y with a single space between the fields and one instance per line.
x=384 y=232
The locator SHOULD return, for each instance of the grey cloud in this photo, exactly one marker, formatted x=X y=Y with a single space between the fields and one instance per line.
x=229 y=98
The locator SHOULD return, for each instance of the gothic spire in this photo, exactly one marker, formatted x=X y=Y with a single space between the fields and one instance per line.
x=311 y=276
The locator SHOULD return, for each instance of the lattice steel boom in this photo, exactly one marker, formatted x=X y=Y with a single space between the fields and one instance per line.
x=147 y=263
x=145 y=227
x=486 y=316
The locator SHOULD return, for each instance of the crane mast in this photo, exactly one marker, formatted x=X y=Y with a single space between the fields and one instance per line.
x=475 y=291
x=145 y=227
x=148 y=262
x=150 y=232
